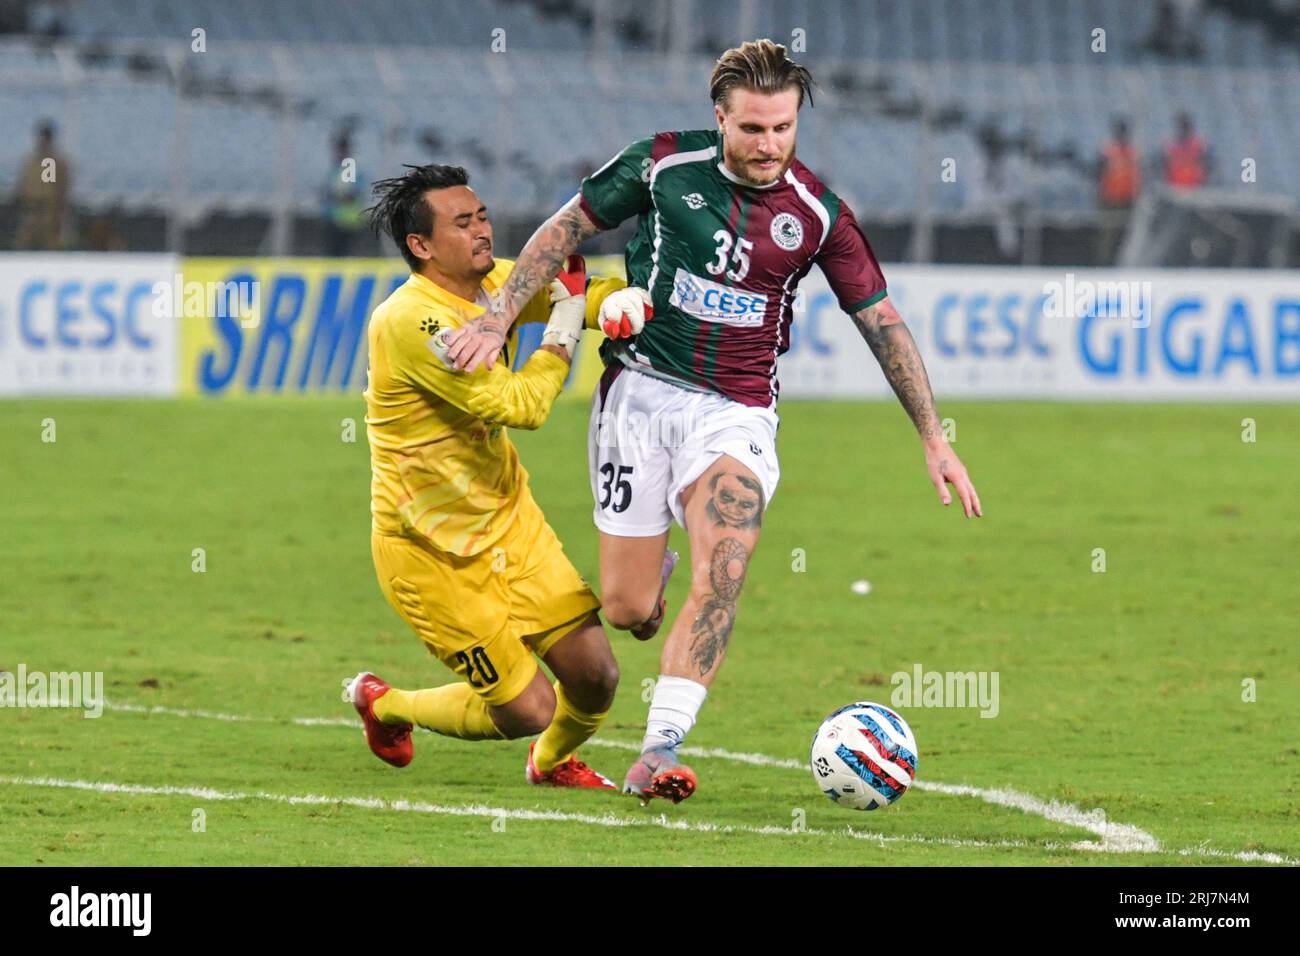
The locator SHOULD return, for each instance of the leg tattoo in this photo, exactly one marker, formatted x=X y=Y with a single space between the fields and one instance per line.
x=712 y=625
x=735 y=501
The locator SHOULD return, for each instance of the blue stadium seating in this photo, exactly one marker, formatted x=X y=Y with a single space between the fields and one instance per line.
x=416 y=80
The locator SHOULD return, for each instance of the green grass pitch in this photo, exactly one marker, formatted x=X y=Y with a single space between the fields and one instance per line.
x=1121 y=718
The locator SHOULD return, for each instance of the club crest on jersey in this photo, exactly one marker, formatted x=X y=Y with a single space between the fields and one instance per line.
x=712 y=302
x=694 y=200
x=787 y=231
x=436 y=343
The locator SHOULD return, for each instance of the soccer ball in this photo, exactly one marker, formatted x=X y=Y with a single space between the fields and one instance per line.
x=864 y=756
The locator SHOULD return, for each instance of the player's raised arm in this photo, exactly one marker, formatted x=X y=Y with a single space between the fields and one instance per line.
x=555 y=240
x=614 y=307
x=895 y=349
x=618 y=190
x=499 y=395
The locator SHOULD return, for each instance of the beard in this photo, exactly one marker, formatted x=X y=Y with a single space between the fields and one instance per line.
x=742 y=166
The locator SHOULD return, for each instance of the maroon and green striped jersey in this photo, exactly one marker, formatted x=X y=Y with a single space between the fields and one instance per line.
x=723 y=260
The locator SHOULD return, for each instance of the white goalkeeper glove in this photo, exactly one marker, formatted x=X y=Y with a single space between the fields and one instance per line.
x=568 y=306
x=624 y=313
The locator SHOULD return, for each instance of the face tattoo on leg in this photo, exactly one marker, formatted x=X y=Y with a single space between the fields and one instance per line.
x=735 y=501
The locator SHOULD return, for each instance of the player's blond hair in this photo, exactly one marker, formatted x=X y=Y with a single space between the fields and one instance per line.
x=759 y=66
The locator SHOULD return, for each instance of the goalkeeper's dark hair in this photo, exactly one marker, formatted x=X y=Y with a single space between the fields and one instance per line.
x=400 y=208
x=760 y=66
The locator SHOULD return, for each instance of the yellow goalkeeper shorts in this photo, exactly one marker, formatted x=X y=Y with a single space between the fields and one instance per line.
x=485 y=616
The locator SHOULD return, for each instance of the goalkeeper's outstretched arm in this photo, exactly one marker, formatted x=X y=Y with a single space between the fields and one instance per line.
x=498 y=395
x=540 y=261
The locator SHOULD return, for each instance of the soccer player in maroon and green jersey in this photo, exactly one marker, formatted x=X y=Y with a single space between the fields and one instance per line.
x=728 y=222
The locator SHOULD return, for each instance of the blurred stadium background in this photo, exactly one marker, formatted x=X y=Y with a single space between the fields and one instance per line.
x=1024 y=140
x=234 y=150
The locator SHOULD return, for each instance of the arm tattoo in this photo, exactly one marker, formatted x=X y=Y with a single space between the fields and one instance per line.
x=541 y=260
x=896 y=351
x=712 y=625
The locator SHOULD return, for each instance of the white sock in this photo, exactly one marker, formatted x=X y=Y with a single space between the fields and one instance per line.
x=672 y=711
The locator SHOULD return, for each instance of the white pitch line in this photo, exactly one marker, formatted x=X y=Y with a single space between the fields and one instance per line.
x=755 y=760
x=1115 y=837
x=478 y=810
x=557 y=816
x=234 y=718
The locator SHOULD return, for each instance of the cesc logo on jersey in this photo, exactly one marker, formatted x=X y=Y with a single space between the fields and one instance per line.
x=712 y=302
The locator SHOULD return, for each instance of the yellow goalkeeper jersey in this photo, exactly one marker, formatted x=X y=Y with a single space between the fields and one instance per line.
x=442 y=465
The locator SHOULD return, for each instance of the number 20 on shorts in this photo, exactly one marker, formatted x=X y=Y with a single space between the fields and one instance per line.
x=477 y=661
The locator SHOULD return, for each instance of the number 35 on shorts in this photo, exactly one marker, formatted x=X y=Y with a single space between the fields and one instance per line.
x=615 y=489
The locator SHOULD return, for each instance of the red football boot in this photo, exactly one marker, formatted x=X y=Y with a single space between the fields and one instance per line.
x=572 y=773
x=658 y=773
x=391 y=743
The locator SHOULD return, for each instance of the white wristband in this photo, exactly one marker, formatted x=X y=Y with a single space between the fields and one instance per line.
x=568 y=317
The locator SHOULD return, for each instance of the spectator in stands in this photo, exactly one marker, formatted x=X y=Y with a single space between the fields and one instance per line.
x=41 y=194
x=996 y=187
x=1174 y=30
x=45 y=19
x=13 y=16
x=344 y=200
x=1186 y=157
x=1118 y=180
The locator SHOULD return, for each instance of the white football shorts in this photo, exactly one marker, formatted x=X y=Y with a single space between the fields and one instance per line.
x=649 y=439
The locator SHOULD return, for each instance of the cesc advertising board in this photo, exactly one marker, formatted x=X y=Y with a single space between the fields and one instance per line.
x=1049 y=333
x=74 y=324
x=161 y=325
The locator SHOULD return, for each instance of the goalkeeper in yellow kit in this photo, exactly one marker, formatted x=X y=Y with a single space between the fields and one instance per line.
x=461 y=549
